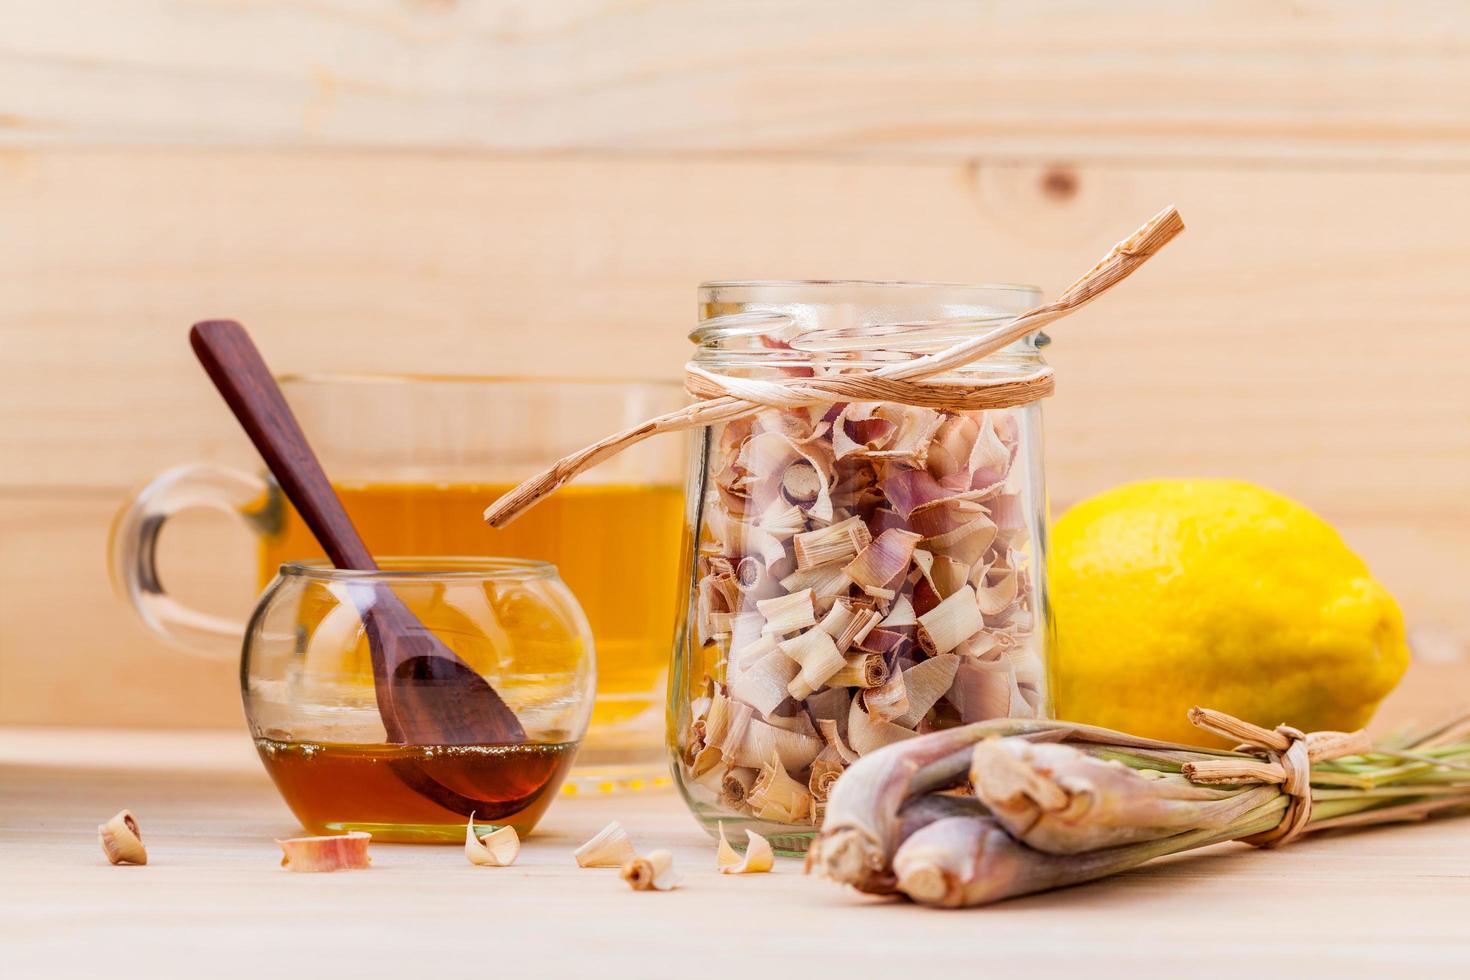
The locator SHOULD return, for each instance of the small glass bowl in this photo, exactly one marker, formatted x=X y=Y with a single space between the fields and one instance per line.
x=307 y=681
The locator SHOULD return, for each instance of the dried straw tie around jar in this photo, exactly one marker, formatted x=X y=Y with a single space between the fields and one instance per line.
x=725 y=398
x=1289 y=756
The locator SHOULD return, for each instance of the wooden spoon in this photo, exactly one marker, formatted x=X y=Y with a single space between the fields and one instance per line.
x=426 y=694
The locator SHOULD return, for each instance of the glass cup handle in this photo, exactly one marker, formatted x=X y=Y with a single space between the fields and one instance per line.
x=134 y=540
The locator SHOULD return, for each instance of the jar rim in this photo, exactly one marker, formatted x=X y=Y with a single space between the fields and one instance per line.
x=755 y=307
x=421 y=568
x=709 y=284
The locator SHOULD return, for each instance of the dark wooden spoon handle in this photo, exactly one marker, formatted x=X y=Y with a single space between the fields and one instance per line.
x=239 y=372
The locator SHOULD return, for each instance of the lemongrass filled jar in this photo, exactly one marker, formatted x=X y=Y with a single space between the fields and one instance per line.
x=859 y=571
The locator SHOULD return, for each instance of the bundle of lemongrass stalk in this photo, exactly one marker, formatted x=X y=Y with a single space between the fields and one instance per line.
x=998 y=809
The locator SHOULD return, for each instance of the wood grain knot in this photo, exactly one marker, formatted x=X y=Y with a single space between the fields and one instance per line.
x=1059 y=183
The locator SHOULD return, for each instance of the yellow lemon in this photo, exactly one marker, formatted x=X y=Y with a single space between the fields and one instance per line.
x=1172 y=593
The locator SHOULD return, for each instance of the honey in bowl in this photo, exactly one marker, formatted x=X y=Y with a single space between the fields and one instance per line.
x=616 y=545
x=415 y=792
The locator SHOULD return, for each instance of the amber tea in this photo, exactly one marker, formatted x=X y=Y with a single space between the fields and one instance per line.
x=617 y=547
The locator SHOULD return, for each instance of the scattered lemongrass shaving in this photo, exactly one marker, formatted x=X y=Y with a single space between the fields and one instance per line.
x=121 y=841
x=651 y=872
x=497 y=849
x=758 y=855
x=608 y=848
x=339 y=852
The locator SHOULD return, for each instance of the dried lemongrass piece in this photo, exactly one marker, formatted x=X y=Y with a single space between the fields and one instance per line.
x=847 y=623
x=797 y=722
x=759 y=541
x=949 y=455
x=836 y=542
x=776 y=796
x=753 y=578
x=861 y=669
x=890 y=701
x=803 y=486
x=950 y=623
x=982 y=689
x=781 y=520
x=1008 y=511
x=827 y=584
x=608 y=848
x=982 y=646
x=788 y=613
x=497 y=849
x=830 y=704
x=340 y=852
x=710 y=782
x=706 y=768
x=825 y=770
x=857 y=431
x=651 y=872
x=718 y=598
x=834 y=732
x=783 y=469
x=718 y=718
x=987 y=689
x=948 y=514
x=868 y=734
x=749 y=741
x=997 y=591
x=884 y=558
x=901 y=614
x=121 y=840
x=990 y=459
x=907 y=490
x=837 y=619
x=735 y=786
x=816 y=652
x=966 y=544
x=885 y=641
x=744 y=655
x=758 y=855
x=764 y=684
x=916 y=426
x=925 y=683
x=942 y=574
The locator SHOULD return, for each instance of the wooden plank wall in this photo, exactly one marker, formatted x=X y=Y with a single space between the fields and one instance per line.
x=498 y=181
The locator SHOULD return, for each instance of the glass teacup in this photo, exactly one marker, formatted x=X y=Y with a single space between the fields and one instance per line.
x=415 y=460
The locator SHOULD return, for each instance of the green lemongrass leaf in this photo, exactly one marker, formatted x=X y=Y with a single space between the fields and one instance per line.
x=1384 y=792
x=1133 y=760
x=1448 y=762
x=1362 y=782
x=1367 y=816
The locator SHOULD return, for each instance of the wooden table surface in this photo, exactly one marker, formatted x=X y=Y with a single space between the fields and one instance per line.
x=213 y=900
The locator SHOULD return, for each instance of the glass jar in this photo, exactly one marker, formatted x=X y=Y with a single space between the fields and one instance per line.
x=307 y=681
x=858 y=572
